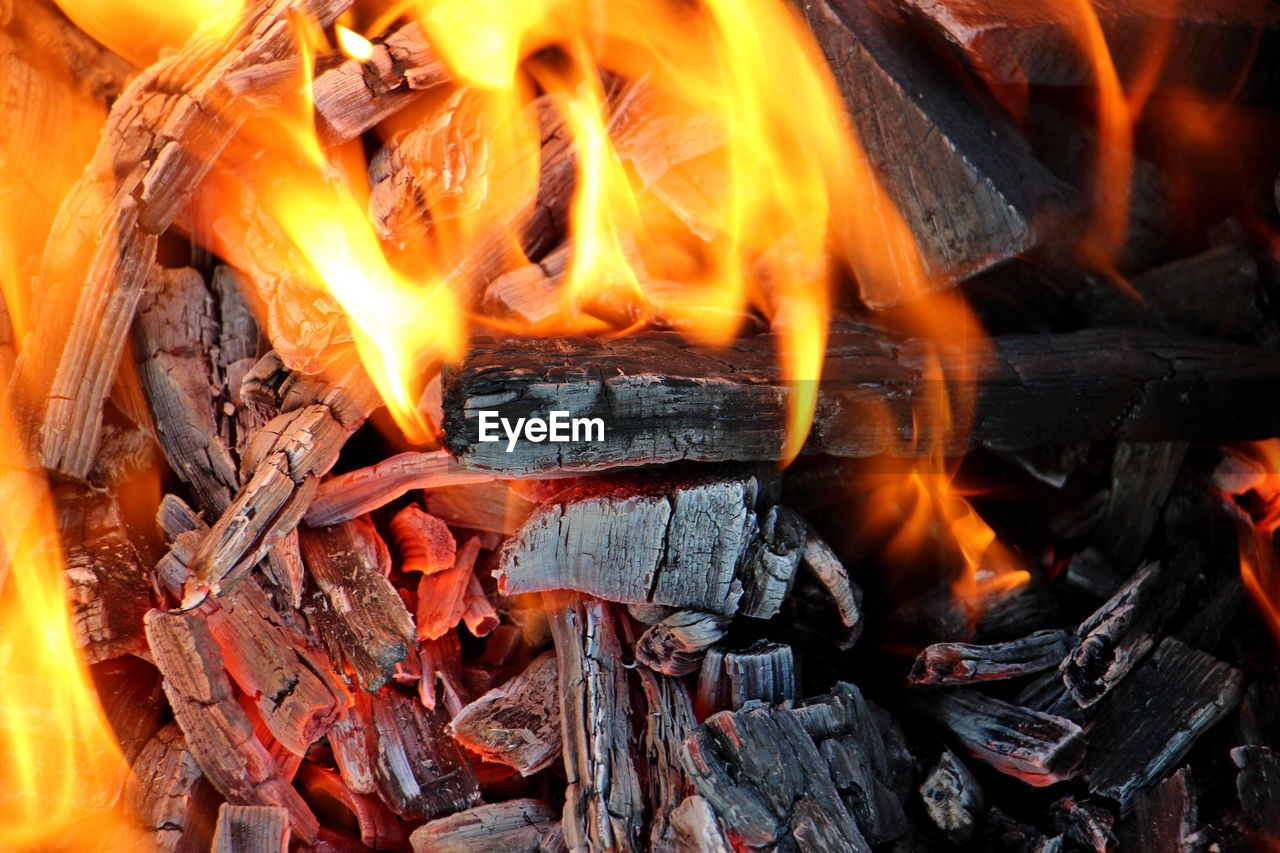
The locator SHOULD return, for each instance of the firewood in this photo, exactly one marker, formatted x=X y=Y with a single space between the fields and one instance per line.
x=1165 y=816
x=826 y=567
x=93 y=67
x=1258 y=785
x=1153 y=717
x=766 y=780
x=425 y=542
x=1008 y=835
x=251 y=829
x=492 y=506
x=764 y=672
x=696 y=828
x=351 y=738
x=354 y=609
x=1118 y=634
x=442 y=596
x=160 y=789
x=219 y=733
x=1034 y=747
x=952 y=798
x=356 y=95
x=354 y=493
x=664 y=547
x=1132 y=510
x=516 y=826
x=380 y=829
x=1087 y=822
x=676 y=645
x=478 y=613
x=418 y=769
x=107 y=584
x=518 y=723
x=440 y=665
x=604 y=803
x=961 y=663
x=668 y=723
x=1030 y=390
x=1031 y=45
x=962 y=177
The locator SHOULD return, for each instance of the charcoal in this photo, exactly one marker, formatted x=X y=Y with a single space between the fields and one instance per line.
x=1258 y=784
x=1008 y=835
x=676 y=644
x=516 y=826
x=696 y=828
x=1165 y=816
x=959 y=663
x=516 y=724
x=251 y=829
x=952 y=798
x=668 y=723
x=1086 y=822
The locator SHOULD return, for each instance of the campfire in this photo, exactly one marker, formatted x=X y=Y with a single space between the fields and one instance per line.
x=675 y=425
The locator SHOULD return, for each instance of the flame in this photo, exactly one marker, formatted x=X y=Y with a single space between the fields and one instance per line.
x=353 y=44
x=1260 y=541
x=141 y=30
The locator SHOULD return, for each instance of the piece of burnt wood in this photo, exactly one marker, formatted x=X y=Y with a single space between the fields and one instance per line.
x=1164 y=817
x=442 y=596
x=1142 y=476
x=1087 y=822
x=418 y=770
x=1119 y=633
x=1007 y=835
x=765 y=671
x=604 y=803
x=440 y=662
x=686 y=543
x=380 y=829
x=668 y=723
x=962 y=663
x=1258 y=784
x=251 y=829
x=354 y=609
x=219 y=734
x=696 y=829
x=517 y=723
x=676 y=645
x=354 y=493
x=94 y=69
x=1034 y=45
x=478 y=613
x=767 y=782
x=653 y=390
x=352 y=97
x=425 y=542
x=712 y=692
x=493 y=506
x=351 y=739
x=109 y=592
x=952 y=798
x=1034 y=747
x=159 y=791
x=1154 y=716
x=515 y=826
x=819 y=559
x=962 y=176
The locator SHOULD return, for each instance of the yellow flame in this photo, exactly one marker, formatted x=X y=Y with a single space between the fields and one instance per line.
x=140 y=30
x=353 y=44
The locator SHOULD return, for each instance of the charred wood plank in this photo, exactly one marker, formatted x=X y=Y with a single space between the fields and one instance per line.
x=160 y=791
x=515 y=826
x=668 y=723
x=1165 y=816
x=963 y=663
x=251 y=829
x=354 y=493
x=962 y=177
x=1258 y=785
x=952 y=798
x=604 y=804
x=517 y=723
x=676 y=645
x=1154 y=716
x=652 y=391
x=1037 y=748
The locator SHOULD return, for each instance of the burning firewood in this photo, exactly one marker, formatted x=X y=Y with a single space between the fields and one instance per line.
x=251 y=829
x=354 y=493
x=960 y=663
x=668 y=724
x=517 y=723
x=516 y=826
x=952 y=797
x=676 y=644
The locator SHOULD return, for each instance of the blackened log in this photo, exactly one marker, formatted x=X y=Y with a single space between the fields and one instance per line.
x=962 y=663
x=962 y=177
x=1142 y=476
x=1165 y=816
x=515 y=826
x=251 y=829
x=355 y=610
x=768 y=783
x=1030 y=390
x=354 y=493
x=1085 y=821
x=218 y=731
x=604 y=804
x=692 y=543
x=676 y=645
x=1258 y=784
x=696 y=828
x=418 y=770
x=952 y=798
x=1037 y=748
x=1154 y=716
x=160 y=791
x=668 y=723
x=518 y=723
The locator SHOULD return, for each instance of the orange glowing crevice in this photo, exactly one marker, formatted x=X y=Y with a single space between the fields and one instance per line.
x=1259 y=495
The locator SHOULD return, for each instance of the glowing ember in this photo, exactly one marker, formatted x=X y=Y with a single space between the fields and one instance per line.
x=1258 y=492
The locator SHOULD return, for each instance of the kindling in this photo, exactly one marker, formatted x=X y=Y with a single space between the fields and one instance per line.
x=558 y=427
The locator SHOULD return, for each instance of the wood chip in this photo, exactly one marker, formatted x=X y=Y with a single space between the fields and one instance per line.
x=515 y=826
x=962 y=663
x=251 y=829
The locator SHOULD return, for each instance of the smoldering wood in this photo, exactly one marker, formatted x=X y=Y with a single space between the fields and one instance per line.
x=696 y=828
x=109 y=592
x=352 y=97
x=1032 y=746
x=819 y=559
x=478 y=613
x=518 y=722
x=1165 y=816
x=765 y=779
x=418 y=769
x=357 y=492
x=442 y=596
x=1004 y=833
x=604 y=804
x=492 y=506
x=1087 y=822
x=219 y=734
x=440 y=662
x=1118 y=634
x=962 y=663
x=1258 y=786
x=1154 y=716
x=354 y=609
x=159 y=791
x=662 y=549
x=251 y=829
x=425 y=542
x=668 y=723
x=961 y=175
x=1142 y=476
x=768 y=567
x=952 y=798
x=676 y=645
x=514 y=826
x=652 y=390
x=765 y=672
x=380 y=829
x=95 y=69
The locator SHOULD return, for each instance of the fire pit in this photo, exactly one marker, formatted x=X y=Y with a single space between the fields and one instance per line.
x=693 y=425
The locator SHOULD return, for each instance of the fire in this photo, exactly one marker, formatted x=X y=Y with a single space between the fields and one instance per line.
x=140 y=30
x=1259 y=495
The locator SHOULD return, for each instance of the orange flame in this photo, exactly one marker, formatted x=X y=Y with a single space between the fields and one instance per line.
x=140 y=30
x=1259 y=554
